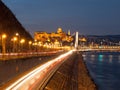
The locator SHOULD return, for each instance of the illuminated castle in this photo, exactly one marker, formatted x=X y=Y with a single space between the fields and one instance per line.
x=59 y=36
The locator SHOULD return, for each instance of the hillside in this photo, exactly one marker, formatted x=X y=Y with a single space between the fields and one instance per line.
x=9 y=23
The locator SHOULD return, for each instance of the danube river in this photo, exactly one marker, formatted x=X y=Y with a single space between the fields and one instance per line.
x=104 y=67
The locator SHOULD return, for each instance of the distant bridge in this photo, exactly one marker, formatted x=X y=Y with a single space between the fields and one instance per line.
x=99 y=48
x=94 y=48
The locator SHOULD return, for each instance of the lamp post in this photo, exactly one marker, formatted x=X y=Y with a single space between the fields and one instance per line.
x=3 y=43
x=14 y=44
x=30 y=43
x=22 y=41
x=18 y=44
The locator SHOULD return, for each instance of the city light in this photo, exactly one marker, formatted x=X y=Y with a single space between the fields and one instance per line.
x=17 y=34
x=30 y=42
x=22 y=41
x=15 y=39
x=4 y=36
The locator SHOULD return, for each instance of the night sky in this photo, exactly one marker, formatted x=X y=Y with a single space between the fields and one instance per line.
x=88 y=17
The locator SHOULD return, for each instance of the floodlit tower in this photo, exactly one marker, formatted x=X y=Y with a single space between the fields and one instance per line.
x=68 y=32
x=76 y=40
x=59 y=30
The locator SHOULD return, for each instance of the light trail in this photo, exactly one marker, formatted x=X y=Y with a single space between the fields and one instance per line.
x=30 y=80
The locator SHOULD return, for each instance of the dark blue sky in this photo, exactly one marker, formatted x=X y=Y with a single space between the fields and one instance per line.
x=98 y=17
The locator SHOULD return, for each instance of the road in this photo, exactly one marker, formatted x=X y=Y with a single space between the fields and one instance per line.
x=38 y=77
x=12 y=68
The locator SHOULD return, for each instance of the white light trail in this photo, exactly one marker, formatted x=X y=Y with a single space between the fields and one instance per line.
x=26 y=82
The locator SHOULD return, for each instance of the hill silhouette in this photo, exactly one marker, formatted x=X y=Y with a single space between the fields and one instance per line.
x=10 y=25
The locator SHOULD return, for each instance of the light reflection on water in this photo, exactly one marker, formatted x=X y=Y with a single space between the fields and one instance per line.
x=110 y=58
x=93 y=57
x=104 y=68
x=100 y=58
x=119 y=58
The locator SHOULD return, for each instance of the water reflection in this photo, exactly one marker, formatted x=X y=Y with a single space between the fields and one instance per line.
x=93 y=57
x=104 y=69
x=119 y=59
x=17 y=68
x=100 y=58
x=110 y=58
x=84 y=56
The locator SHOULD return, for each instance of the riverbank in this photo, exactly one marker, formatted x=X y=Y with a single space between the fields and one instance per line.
x=85 y=81
x=72 y=75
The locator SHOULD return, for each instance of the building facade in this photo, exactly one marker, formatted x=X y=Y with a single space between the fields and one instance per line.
x=53 y=37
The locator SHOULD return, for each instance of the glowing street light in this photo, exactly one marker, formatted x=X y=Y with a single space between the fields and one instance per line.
x=14 y=43
x=17 y=34
x=22 y=41
x=15 y=39
x=30 y=43
x=4 y=36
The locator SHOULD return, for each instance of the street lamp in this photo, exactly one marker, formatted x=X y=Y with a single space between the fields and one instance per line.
x=30 y=43
x=18 y=44
x=4 y=36
x=14 y=44
x=21 y=42
x=17 y=34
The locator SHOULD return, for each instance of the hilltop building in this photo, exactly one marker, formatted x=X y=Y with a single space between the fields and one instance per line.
x=53 y=37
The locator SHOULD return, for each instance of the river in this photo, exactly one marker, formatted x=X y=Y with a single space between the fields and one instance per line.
x=104 y=67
